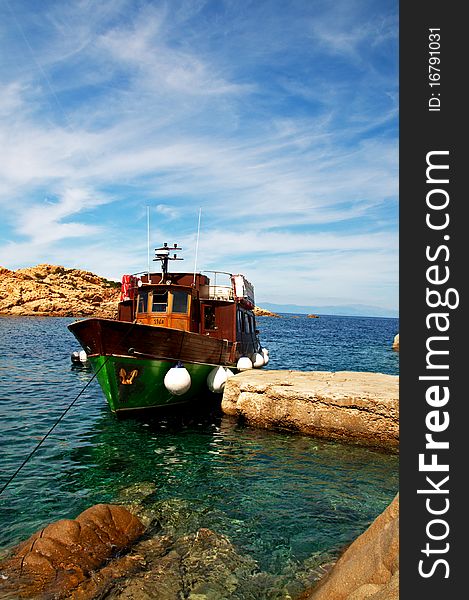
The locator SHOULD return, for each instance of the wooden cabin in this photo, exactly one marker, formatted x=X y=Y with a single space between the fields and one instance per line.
x=191 y=303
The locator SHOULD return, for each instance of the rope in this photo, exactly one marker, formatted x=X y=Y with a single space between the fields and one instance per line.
x=43 y=439
x=50 y=430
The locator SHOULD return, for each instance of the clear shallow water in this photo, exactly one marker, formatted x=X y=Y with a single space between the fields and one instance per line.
x=279 y=497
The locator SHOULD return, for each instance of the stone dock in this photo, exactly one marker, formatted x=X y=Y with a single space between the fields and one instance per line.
x=346 y=406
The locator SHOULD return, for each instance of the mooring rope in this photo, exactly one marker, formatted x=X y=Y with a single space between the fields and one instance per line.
x=43 y=439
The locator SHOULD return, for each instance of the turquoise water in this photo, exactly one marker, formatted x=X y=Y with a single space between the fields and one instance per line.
x=279 y=497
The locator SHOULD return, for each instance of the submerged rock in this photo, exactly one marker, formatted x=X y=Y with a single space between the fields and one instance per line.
x=201 y=565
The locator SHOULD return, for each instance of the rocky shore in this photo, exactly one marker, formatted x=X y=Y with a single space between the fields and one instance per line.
x=137 y=552
x=369 y=568
x=347 y=406
x=50 y=290
x=262 y=312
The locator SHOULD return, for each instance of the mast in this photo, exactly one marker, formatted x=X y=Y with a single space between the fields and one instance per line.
x=148 y=240
x=197 y=246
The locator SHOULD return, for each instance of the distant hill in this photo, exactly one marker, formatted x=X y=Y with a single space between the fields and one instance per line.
x=352 y=310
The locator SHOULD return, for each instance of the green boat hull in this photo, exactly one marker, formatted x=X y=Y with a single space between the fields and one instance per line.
x=131 y=384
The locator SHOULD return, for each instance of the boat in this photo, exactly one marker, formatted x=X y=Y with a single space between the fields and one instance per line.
x=177 y=336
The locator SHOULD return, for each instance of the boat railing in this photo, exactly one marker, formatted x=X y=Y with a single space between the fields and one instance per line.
x=218 y=292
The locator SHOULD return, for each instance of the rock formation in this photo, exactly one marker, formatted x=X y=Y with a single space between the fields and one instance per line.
x=348 y=406
x=262 y=312
x=369 y=568
x=57 y=291
x=103 y=554
x=62 y=556
x=83 y=559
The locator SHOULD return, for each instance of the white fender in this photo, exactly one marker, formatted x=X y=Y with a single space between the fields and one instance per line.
x=78 y=357
x=257 y=360
x=177 y=381
x=244 y=364
x=228 y=373
x=216 y=379
x=265 y=354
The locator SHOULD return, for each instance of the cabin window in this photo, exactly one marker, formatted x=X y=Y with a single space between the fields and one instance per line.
x=160 y=301
x=142 y=302
x=240 y=317
x=209 y=317
x=180 y=301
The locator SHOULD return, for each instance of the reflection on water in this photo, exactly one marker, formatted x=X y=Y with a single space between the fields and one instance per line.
x=279 y=497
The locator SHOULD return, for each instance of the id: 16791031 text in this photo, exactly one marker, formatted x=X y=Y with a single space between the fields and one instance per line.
x=434 y=74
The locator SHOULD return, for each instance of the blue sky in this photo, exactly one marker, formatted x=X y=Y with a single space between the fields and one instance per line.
x=278 y=118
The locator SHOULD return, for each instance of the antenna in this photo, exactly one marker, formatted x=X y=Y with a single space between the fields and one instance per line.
x=148 y=241
x=197 y=245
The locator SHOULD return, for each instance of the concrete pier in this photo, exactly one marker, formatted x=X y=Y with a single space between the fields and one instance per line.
x=347 y=406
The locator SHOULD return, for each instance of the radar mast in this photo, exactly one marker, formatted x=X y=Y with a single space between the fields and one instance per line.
x=163 y=254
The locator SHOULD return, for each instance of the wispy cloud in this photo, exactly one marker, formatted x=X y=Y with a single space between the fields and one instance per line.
x=285 y=135
x=46 y=223
x=167 y=211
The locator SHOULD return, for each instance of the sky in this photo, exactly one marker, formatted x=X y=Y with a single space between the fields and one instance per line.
x=276 y=121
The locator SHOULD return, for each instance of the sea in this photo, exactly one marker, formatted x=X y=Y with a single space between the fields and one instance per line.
x=285 y=499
